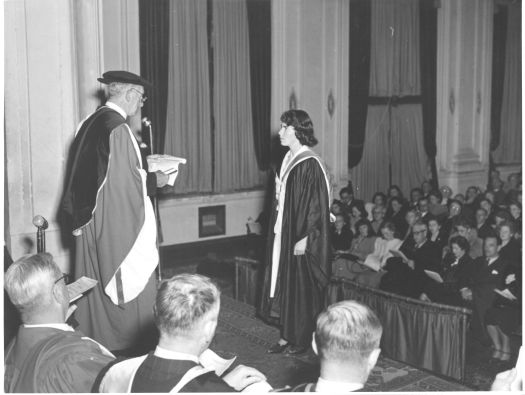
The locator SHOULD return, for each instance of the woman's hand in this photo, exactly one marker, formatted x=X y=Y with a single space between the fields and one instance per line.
x=300 y=246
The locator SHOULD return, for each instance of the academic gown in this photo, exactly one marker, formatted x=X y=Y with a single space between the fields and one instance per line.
x=52 y=360
x=301 y=279
x=114 y=227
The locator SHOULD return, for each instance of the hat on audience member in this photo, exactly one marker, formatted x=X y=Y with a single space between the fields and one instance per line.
x=124 y=77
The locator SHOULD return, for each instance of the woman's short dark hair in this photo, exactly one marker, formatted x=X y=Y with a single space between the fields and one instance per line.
x=399 y=193
x=461 y=242
x=430 y=217
x=383 y=196
x=301 y=122
x=360 y=206
x=388 y=225
x=364 y=221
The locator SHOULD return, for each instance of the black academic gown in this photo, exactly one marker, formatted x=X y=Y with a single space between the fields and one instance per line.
x=301 y=279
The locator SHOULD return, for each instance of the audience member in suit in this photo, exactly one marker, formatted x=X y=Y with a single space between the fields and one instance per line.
x=435 y=207
x=186 y=312
x=512 y=187
x=406 y=276
x=454 y=211
x=482 y=225
x=487 y=205
x=341 y=235
x=426 y=187
x=487 y=274
x=415 y=195
x=446 y=195
x=346 y=340
x=423 y=207
x=457 y=268
x=378 y=215
x=47 y=355
x=497 y=189
x=472 y=199
x=411 y=217
x=434 y=233
x=350 y=266
x=510 y=247
x=465 y=228
x=395 y=213
x=515 y=211
x=501 y=216
x=505 y=316
x=346 y=196
x=337 y=208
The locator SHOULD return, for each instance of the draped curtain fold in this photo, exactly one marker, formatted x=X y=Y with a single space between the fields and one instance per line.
x=394 y=72
x=235 y=160
x=359 y=78
x=259 y=26
x=509 y=149
x=154 y=25
x=188 y=131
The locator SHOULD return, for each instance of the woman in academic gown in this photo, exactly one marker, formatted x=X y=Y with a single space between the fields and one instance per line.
x=298 y=258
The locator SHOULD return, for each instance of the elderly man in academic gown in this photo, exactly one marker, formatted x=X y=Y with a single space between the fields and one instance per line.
x=298 y=259
x=106 y=198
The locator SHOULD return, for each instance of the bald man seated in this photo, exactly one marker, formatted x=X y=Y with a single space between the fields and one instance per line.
x=47 y=355
x=186 y=311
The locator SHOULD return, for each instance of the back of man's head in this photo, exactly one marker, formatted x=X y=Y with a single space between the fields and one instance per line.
x=184 y=304
x=31 y=285
x=348 y=333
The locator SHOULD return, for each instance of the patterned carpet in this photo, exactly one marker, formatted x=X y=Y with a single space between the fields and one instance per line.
x=240 y=333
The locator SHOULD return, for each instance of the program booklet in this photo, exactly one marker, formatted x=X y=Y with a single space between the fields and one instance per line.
x=167 y=164
x=79 y=287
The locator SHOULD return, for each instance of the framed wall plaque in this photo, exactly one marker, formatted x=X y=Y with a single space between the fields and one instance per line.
x=212 y=221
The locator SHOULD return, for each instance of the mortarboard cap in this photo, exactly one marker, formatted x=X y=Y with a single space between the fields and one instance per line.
x=125 y=77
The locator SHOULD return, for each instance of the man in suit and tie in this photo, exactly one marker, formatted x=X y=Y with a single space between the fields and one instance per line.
x=487 y=275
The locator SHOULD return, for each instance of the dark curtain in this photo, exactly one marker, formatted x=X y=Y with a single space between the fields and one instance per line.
x=360 y=36
x=154 y=18
x=428 y=61
x=259 y=25
x=427 y=335
x=498 y=73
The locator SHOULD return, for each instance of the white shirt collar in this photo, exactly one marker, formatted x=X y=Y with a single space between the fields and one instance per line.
x=491 y=260
x=334 y=387
x=168 y=354
x=117 y=108
x=62 y=327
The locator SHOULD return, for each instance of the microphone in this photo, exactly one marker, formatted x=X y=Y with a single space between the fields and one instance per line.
x=40 y=222
x=146 y=122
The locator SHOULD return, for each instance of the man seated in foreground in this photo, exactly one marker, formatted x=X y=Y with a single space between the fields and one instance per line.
x=47 y=355
x=186 y=312
x=346 y=340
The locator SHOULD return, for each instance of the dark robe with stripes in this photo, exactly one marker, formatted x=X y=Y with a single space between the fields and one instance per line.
x=114 y=228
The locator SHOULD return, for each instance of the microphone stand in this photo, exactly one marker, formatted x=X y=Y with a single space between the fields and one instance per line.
x=41 y=225
x=147 y=123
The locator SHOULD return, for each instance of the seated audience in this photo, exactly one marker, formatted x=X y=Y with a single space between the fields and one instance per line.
x=357 y=212
x=186 y=311
x=423 y=207
x=341 y=236
x=47 y=355
x=378 y=215
x=482 y=224
x=504 y=317
x=487 y=205
x=501 y=216
x=457 y=268
x=471 y=200
x=434 y=205
x=337 y=208
x=411 y=216
x=434 y=233
x=379 y=199
x=454 y=211
x=510 y=247
x=512 y=187
x=497 y=189
x=426 y=187
x=515 y=212
x=350 y=265
x=346 y=195
x=446 y=195
x=460 y=198
x=406 y=276
x=465 y=229
x=487 y=274
x=395 y=213
x=415 y=195
x=346 y=339
x=395 y=191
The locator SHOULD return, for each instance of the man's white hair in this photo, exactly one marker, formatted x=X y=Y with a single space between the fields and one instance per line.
x=29 y=283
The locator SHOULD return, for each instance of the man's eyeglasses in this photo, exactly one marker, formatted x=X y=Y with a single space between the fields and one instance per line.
x=64 y=277
x=142 y=97
x=417 y=232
